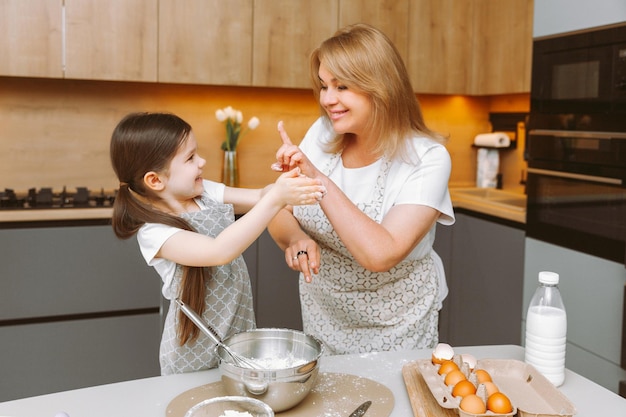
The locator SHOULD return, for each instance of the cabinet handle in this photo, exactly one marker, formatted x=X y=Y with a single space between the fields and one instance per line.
x=581 y=177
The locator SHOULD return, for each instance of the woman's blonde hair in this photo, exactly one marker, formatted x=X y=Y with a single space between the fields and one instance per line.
x=363 y=59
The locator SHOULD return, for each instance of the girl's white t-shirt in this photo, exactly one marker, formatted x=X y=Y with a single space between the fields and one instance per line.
x=151 y=236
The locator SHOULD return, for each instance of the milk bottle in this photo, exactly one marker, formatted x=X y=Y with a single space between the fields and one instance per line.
x=546 y=329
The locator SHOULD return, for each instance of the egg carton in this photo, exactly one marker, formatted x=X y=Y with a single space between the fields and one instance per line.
x=531 y=394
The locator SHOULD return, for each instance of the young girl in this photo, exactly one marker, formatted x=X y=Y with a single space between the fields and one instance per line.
x=186 y=230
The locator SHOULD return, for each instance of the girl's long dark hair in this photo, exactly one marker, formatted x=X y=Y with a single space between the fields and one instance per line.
x=144 y=142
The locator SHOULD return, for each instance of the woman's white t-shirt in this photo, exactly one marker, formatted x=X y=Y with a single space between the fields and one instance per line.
x=151 y=236
x=424 y=182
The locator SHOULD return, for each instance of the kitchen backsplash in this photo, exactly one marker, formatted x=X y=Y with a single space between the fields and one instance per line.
x=56 y=132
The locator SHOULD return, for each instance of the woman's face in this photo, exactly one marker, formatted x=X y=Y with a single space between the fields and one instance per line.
x=348 y=110
x=184 y=179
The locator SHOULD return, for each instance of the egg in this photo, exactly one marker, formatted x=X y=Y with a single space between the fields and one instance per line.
x=453 y=377
x=447 y=366
x=490 y=388
x=482 y=376
x=499 y=403
x=473 y=404
x=463 y=388
x=442 y=352
x=470 y=360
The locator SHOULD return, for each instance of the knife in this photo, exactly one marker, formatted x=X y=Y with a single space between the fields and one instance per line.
x=360 y=410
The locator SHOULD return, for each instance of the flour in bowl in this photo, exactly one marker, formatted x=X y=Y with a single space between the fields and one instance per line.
x=279 y=363
x=233 y=413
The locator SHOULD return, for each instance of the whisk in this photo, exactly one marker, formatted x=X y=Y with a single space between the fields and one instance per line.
x=238 y=359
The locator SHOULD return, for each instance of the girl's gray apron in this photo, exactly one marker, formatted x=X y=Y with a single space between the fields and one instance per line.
x=353 y=310
x=228 y=301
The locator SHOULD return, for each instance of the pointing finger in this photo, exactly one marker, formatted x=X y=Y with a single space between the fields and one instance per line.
x=283 y=134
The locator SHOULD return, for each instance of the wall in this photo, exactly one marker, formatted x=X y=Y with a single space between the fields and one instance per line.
x=558 y=16
x=56 y=132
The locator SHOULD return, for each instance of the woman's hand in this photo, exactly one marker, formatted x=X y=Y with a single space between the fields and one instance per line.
x=289 y=156
x=304 y=256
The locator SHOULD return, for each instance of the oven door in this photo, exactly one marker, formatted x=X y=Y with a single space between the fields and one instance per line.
x=582 y=212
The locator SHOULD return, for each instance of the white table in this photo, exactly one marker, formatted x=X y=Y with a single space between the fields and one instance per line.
x=149 y=397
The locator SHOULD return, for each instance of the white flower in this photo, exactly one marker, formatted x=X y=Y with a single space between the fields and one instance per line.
x=220 y=115
x=232 y=119
x=253 y=123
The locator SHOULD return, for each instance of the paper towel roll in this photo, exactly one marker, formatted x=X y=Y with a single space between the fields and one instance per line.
x=493 y=140
x=488 y=165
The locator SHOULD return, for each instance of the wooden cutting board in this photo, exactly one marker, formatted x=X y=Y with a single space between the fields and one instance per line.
x=334 y=394
x=422 y=400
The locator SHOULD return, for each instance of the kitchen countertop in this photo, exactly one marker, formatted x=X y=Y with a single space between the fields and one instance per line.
x=150 y=397
x=490 y=207
x=35 y=215
x=459 y=200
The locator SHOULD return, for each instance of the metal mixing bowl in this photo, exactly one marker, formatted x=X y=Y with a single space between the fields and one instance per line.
x=290 y=361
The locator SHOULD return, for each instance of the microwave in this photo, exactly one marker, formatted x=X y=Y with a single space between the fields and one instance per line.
x=579 y=80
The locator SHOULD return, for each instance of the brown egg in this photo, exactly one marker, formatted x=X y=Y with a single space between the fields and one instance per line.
x=453 y=377
x=463 y=388
x=442 y=352
x=499 y=403
x=482 y=376
x=470 y=360
x=448 y=366
x=490 y=388
x=473 y=404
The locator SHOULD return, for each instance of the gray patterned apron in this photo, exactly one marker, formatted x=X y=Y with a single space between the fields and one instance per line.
x=353 y=310
x=228 y=300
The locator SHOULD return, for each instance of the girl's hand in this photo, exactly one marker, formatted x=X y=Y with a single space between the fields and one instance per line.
x=295 y=189
x=289 y=156
x=304 y=256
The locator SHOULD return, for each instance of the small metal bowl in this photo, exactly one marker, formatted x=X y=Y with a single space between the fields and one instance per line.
x=218 y=406
x=290 y=360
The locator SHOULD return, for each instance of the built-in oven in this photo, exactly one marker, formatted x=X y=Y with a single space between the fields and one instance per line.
x=576 y=189
x=576 y=142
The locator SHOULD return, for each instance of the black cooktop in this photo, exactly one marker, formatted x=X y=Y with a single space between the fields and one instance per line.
x=47 y=198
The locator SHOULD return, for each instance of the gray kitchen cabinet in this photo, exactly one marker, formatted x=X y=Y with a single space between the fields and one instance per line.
x=593 y=294
x=484 y=262
x=78 y=307
x=274 y=285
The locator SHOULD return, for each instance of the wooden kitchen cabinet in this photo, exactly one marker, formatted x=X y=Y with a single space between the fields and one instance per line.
x=285 y=34
x=472 y=47
x=205 y=42
x=32 y=38
x=484 y=264
x=390 y=16
x=440 y=46
x=502 y=58
x=111 y=40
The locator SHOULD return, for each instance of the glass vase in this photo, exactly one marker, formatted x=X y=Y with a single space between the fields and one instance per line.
x=230 y=169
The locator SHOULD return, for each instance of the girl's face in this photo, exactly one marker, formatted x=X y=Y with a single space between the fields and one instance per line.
x=348 y=110
x=184 y=179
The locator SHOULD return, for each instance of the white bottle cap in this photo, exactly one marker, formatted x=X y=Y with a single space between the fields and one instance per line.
x=547 y=277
